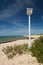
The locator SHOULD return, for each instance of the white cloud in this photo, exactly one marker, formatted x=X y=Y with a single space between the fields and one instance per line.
x=10 y=11
x=14 y=32
x=36 y=31
x=14 y=8
x=42 y=17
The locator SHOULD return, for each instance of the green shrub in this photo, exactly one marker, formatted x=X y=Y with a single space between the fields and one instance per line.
x=11 y=51
x=37 y=49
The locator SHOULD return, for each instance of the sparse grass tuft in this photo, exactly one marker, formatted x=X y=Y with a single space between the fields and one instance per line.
x=11 y=51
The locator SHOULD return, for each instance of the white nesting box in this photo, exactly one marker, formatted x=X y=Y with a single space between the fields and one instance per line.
x=29 y=11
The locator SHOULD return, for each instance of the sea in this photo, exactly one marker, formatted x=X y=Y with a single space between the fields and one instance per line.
x=4 y=39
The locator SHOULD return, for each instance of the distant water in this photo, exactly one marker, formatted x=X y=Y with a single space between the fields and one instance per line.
x=10 y=38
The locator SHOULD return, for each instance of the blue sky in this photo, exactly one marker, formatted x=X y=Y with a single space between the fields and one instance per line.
x=14 y=19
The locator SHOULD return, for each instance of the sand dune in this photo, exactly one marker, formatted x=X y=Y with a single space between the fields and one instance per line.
x=24 y=59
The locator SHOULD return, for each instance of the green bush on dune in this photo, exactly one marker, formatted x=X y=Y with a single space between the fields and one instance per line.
x=11 y=51
x=37 y=49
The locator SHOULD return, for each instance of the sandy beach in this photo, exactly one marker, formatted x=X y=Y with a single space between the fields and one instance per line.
x=24 y=59
x=21 y=25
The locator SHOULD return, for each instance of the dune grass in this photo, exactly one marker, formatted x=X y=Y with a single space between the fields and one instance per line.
x=11 y=51
x=37 y=49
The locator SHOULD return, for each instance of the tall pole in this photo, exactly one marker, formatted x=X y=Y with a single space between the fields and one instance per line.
x=29 y=12
x=29 y=43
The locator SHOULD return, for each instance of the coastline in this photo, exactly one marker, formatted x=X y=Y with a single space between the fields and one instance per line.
x=6 y=39
x=24 y=59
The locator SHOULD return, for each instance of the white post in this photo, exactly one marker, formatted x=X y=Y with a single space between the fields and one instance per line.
x=29 y=12
x=29 y=43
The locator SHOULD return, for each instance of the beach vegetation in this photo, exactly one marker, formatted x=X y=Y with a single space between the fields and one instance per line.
x=37 y=49
x=11 y=51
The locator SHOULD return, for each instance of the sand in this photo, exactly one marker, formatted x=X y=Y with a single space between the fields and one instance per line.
x=24 y=59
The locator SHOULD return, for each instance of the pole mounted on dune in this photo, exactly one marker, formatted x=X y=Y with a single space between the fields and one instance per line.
x=29 y=12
